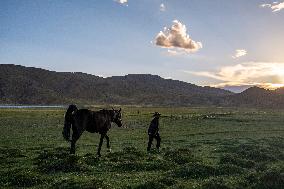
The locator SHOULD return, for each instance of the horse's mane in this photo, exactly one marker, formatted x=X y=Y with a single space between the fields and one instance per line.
x=106 y=112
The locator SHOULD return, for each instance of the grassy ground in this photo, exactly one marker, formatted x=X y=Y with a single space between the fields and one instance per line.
x=201 y=148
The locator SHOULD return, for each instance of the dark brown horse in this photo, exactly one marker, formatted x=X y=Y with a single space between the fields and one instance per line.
x=92 y=121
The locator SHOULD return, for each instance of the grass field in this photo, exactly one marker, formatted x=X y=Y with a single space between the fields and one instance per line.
x=201 y=148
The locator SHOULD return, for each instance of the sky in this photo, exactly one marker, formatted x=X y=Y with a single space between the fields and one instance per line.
x=230 y=44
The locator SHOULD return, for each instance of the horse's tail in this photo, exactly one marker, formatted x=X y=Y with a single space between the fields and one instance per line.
x=68 y=121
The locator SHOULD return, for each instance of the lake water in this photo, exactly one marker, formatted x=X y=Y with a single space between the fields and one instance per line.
x=31 y=106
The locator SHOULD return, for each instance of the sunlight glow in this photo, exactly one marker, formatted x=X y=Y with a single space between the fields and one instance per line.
x=269 y=75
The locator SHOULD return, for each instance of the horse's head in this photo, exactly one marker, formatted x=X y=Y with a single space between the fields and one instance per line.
x=116 y=117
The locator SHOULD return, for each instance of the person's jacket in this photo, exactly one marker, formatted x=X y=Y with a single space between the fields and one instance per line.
x=154 y=127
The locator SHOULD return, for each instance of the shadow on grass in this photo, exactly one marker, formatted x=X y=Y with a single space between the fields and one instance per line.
x=236 y=160
x=272 y=178
x=199 y=170
x=179 y=156
x=8 y=155
x=57 y=160
x=157 y=184
x=20 y=178
x=127 y=154
x=215 y=183
x=254 y=152
x=130 y=159
x=74 y=183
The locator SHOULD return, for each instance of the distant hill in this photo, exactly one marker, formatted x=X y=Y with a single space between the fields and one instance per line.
x=257 y=97
x=26 y=85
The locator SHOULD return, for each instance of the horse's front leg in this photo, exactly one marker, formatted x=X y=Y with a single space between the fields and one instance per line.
x=108 y=145
x=100 y=144
x=75 y=136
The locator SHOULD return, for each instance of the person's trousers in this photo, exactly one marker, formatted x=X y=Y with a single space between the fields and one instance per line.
x=151 y=137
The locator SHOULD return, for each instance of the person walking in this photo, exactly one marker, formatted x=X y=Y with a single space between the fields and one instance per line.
x=153 y=131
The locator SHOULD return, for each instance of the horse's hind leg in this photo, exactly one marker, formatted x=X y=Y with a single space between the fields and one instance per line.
x=108 y=145
x=100 y=144
x=72 y=149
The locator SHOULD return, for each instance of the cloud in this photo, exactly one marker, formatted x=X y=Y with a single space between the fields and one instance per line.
x=239 y=53
x=275 y=6
x=177 y=38
x=168 y=78
x=265 y=74
x=162 y=7
x=176 y=52
x=124 y=2
x=265 y=5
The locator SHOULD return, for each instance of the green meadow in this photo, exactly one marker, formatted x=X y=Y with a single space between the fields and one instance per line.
x=218 y=148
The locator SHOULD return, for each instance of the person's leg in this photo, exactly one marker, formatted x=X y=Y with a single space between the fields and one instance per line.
x=158 y=138
x=150 y=142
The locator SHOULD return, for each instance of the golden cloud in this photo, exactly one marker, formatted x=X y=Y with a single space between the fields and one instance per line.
x=265 y=74
x=276 y=6
x=176 y=37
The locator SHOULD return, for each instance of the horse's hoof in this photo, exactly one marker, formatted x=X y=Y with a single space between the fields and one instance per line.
x=99 y=155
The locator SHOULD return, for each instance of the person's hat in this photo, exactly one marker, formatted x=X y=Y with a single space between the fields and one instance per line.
x=156 y=114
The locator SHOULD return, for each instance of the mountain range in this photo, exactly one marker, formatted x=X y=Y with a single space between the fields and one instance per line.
x=36 y=86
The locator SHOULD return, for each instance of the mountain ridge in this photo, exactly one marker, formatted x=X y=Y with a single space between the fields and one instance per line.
x=29 y=85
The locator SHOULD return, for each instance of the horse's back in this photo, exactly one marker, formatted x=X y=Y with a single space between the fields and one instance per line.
x=81 y=119
x=101 y=121
x=92 y=121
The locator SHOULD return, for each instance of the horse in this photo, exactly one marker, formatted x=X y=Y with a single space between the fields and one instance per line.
x=92 y=121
